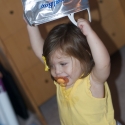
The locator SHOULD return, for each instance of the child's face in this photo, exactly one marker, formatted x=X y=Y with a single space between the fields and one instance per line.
x=62 y=65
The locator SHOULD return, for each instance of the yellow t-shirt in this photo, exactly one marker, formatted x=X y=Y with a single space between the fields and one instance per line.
x=77 y=106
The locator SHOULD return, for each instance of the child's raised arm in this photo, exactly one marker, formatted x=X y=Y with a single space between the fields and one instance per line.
x=36 y=40
x=100 y=55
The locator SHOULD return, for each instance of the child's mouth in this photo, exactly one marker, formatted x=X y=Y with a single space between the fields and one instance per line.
x=62 y=81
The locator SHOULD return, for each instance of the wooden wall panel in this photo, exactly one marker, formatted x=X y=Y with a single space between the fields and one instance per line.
x=122 y=5
x=114 y=25
x=105 y=7
x=19 y=47
x=39 y=83
x=11 y=17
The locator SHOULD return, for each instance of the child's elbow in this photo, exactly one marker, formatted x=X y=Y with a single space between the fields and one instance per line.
x=107 y=69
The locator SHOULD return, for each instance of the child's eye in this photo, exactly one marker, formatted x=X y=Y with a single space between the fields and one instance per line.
x=63 y=64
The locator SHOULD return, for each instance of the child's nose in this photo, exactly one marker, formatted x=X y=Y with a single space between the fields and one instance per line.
x=58 y=71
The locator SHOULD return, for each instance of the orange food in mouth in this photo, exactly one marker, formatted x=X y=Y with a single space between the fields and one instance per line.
x=62 y=81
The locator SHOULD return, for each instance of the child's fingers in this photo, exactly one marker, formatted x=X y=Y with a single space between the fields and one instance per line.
x=80 y=24
x=84 y=26
x=81 y=19
x=24 y=18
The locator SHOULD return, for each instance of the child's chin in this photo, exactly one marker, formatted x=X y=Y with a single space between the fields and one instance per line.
x=69 y=84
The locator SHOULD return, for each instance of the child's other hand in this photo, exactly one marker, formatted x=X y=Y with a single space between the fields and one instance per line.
x=27 y=22
x=84 y=26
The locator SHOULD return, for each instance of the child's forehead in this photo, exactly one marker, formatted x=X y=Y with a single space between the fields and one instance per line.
x=59 y=54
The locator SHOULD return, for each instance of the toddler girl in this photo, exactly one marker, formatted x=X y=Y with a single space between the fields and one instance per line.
x=79 y=65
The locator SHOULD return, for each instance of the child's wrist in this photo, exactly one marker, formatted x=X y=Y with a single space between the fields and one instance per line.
x=31 y=27
x=91 y=32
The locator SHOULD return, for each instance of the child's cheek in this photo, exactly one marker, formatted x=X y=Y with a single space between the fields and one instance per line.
x=52 y=72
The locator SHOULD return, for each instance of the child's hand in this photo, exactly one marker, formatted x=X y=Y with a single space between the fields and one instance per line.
x=27 y=23
x=84 y=26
